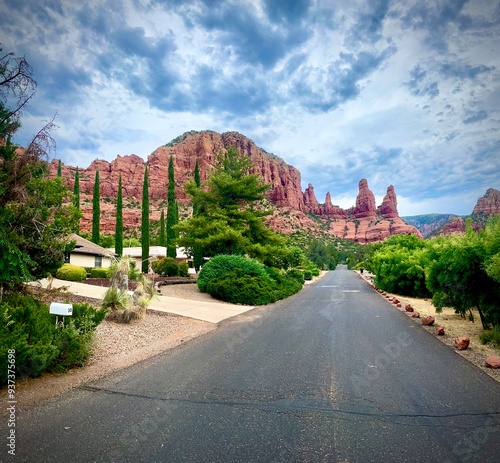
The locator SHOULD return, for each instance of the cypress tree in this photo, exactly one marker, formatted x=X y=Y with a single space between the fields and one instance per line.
x=59 y=169
x=119 y=219
x=163 y=237
x=171 y=211
x=145 y=223
x=197 y=250
x=76 y=193
x=96 y=210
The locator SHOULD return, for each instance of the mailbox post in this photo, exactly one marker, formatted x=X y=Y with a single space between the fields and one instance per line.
x=57 y=308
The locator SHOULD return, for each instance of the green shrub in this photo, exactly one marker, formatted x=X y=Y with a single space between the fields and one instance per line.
x=183 y=269
x=27 y=327
x=166 y=266
x=242 y=289
x=296 y=274
x=307 y=274
x=70 y=272
x=99 y=273
x=238 y=288
x=219 y=266
x=491 y=337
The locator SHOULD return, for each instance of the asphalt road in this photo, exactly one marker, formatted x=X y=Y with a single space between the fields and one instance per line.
x=332 y=374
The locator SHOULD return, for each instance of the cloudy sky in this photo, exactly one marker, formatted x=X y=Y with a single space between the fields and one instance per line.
x=397 y=92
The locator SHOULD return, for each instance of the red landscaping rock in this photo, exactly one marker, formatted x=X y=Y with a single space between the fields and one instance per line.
x=408 y=308
x=398 y=304
x=440 y=330
x=462 y=342
x=395 y=300
x=428 y=320
x=415 y=314
x=493 y=362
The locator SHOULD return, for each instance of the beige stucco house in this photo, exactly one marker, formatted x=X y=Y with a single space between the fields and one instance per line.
x=88 y=254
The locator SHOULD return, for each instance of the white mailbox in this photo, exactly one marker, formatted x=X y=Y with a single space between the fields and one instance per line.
x=57 y=308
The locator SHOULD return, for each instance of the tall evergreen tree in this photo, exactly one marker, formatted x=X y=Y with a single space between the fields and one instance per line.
x=145 y=223
x=59 y=169
x=163 y=237
x=76 y=195
x=197 y=250
x=119 y=219
x=171 y=211
x=96 y=210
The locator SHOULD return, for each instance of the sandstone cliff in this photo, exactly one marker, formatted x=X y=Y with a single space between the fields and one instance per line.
x=488 y=204
x=293 y=209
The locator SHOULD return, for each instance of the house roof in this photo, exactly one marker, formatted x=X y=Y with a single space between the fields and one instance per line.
x=84 y=246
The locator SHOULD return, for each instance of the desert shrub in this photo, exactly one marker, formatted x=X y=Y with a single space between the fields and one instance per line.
x=183 y=269
x=99 y=273
x=70 y=272
x=242 y=289
x=263 y=288
x=221 y=265
x=166 y=266
x=114 y=300
x=27 y=327
x=296 y=274
x=491 y=337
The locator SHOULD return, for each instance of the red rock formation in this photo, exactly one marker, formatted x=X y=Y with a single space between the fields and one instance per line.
x=454 y=225
x=310 y=200
x=489 y=203
x=365 y=202
x=389 y=206
x=363 y=223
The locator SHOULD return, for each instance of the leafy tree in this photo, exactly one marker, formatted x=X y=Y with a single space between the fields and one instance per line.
x=172 y=214
x=145 y=223
x=399 y=265
x=96 y=210
x=457 y=277
x=229 y=221
x=119 y=219
x=33 y=225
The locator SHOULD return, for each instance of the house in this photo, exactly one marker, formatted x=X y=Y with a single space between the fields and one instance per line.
x=155 y=252
x=88 y=254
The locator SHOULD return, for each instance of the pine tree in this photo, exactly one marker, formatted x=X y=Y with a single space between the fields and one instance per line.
x=59 y=169
x=76 y=195
x=171 y=211
x=96 y=210
x=145 y=223
x=119 y=219
x=197 y=250
x=163 y=237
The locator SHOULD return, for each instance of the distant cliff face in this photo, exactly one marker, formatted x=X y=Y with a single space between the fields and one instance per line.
x=488 y=204
x=364 y=222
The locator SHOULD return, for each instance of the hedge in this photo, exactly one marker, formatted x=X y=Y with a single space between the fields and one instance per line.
x=70 y=272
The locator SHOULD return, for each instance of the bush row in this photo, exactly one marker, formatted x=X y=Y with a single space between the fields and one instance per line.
x=242 y=280
x=169 y=267
x=27 y=327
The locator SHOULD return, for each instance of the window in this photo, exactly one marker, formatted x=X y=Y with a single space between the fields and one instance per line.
x=98 y=262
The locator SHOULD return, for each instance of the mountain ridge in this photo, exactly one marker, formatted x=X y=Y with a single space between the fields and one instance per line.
x=293 y=209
